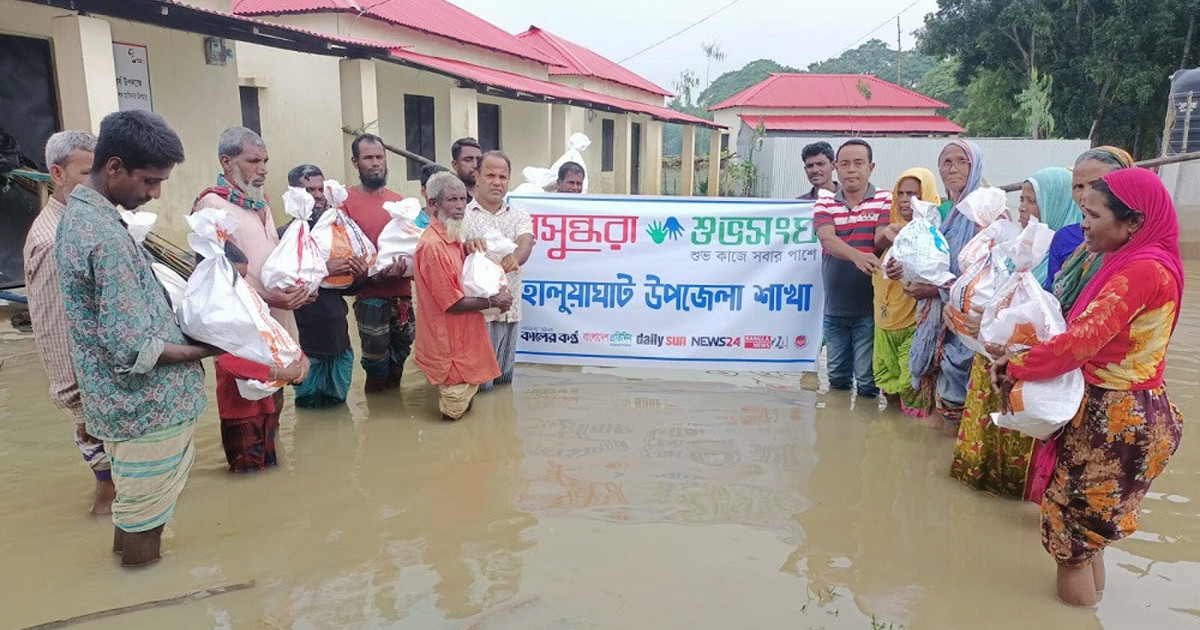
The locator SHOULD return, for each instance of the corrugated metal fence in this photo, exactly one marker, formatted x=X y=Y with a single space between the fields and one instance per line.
x=1006 y=160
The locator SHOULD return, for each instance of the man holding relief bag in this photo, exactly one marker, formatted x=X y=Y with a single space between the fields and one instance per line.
x=452 y=345
x=139 y=377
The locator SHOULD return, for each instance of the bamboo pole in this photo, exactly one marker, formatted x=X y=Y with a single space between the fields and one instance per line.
x=420 y=159
x=1158 y=161
x=158 y=603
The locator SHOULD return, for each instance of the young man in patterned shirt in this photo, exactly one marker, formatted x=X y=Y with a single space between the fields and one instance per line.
x=140 y=379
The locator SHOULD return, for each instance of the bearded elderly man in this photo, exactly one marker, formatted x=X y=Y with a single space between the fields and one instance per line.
x=452 y=344
x=69 y=158
x=239 y=192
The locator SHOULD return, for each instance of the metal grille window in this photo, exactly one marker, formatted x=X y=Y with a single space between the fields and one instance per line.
x=418 y=131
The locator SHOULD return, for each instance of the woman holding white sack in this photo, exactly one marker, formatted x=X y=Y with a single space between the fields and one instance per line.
x=938 y=357
x=1117 y=332
x=987 y=457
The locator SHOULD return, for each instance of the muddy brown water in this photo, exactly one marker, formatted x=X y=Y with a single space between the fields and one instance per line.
x=583 y=498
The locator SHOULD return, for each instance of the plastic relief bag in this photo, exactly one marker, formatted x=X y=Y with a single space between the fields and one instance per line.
x=921 y=249
x=983 y=205
x=400 y=236
x=1039 y=408
x=297 y=260
x=139 y=225
x=538 y=179
x=339 y=237
x=172 y=282
x=220 y=309
x=482 y=277
x=1022 y=314
x=257 y=390
x=976 y=286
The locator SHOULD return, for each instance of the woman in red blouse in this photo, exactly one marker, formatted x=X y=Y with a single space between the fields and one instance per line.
x=1117 y=333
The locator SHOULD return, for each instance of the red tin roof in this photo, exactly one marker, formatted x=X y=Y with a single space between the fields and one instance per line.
x=802 y=90
x=573 y=59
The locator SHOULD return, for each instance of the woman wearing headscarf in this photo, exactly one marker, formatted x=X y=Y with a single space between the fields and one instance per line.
x=987 y=457
x=1078 y=265
x=937 y=356
x=895 y=310
x=1118 y=332
x=1066 y=250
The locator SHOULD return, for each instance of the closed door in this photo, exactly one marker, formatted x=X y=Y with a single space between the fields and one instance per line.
x=635 y=159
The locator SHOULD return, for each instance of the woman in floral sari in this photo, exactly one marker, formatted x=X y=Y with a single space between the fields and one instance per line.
x=1118 y=333
x=987 y=457
x=1070 y=267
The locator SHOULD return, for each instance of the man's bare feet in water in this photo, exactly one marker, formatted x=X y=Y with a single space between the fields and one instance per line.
x=106 y=493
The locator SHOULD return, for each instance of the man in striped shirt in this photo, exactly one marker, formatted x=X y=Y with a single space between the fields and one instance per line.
x=850 y=225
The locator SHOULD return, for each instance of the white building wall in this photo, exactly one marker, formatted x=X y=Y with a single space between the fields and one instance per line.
x=300 y=112
x=1183 y=180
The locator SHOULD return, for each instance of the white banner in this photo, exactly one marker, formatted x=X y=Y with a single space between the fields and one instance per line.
x=684 y=282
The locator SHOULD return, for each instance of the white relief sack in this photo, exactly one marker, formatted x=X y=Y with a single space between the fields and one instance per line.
x=139 y=225
x=921 y=249
x=1040 y=408
x=338 y=237
x=400 y=236
x=482 y=277
x=1022 y=314
x=297 y=260
x=218 y=306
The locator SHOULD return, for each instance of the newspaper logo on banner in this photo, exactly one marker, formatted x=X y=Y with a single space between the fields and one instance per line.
x=706 y=283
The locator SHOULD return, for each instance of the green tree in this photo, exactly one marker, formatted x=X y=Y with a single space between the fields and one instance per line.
x=712 y=52
x=990 y=109
x=1109 y=60
x=941 y=82
x=735 y=81
x=1033 y=106
x=874 y=57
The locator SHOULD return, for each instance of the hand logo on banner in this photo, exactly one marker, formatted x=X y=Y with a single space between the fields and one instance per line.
x=660 y=231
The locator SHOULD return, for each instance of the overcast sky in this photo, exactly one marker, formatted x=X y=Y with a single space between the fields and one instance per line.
x=792 y=32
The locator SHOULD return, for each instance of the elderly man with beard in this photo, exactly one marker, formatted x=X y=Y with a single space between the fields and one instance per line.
x=384 y=306
x=324 y=334
x=69 y=157
x=239 y=192
x=139 y=377
x=489 y=211
x=452 y=339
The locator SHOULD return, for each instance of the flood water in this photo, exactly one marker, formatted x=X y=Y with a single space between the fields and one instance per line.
x=582 y=498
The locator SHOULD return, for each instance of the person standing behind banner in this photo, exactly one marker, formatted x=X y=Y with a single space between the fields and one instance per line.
x=140 y=379
x=465 y=159
x=895 y=310
x=490 y=211
x=323 y=325
x=818 y=160
x=850 y=225
x=384 y=307
x=69 y=157
x=570 y=178
x=452 y=340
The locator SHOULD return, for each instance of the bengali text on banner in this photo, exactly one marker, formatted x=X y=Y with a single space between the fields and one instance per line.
x=684 y=282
